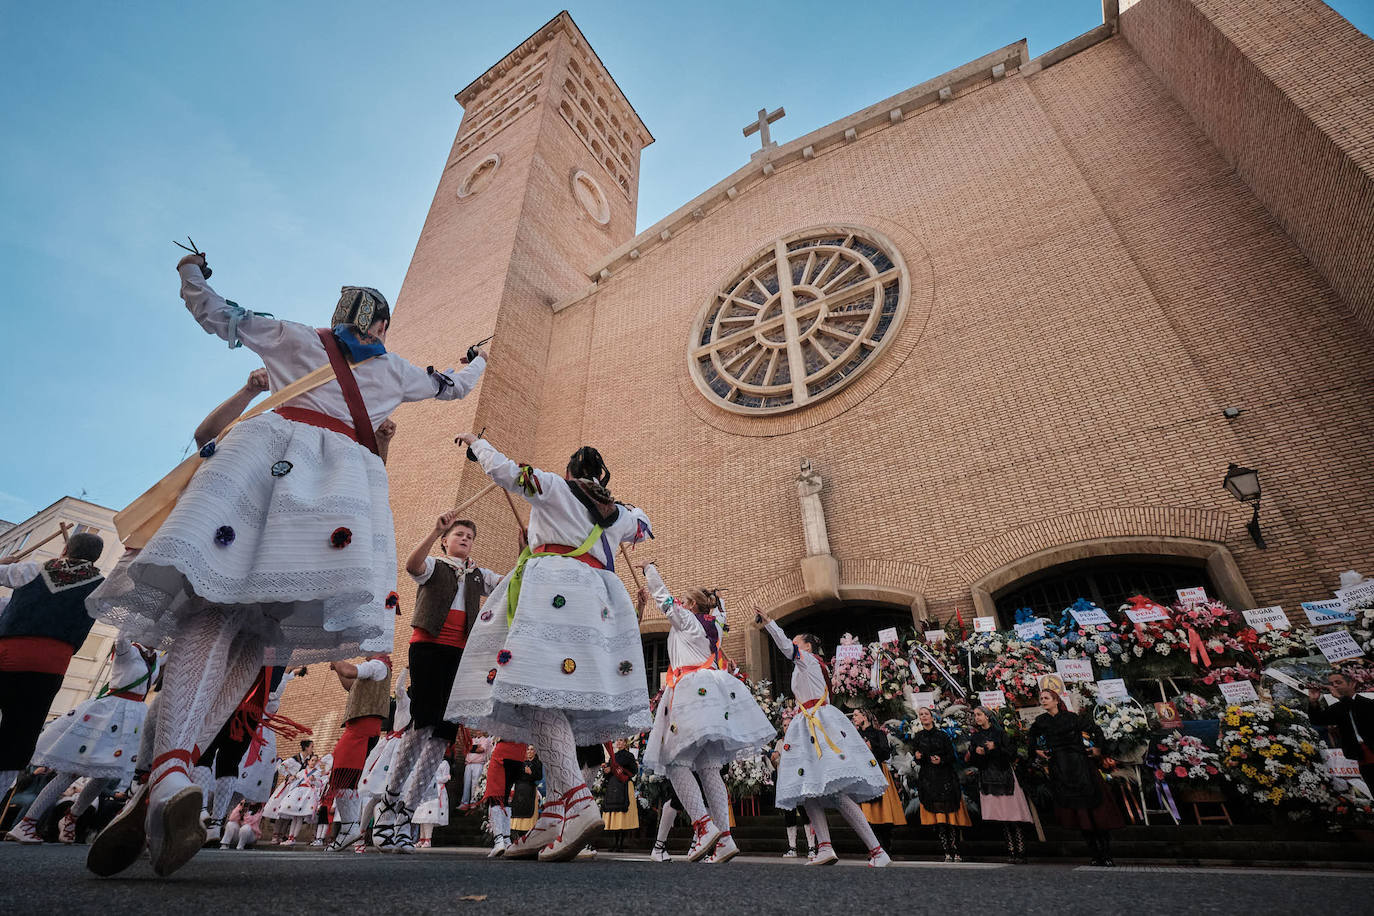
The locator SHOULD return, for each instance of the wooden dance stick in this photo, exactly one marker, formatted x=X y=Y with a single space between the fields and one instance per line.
x=524 y=532
x=62 y=529
x=635 y=577
x=480 y=493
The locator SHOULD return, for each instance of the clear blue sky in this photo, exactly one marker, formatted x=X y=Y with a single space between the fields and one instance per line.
x=300 y=143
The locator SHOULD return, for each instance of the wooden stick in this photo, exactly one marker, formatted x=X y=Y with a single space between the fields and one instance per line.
x=524 y=532
x=61 y=529
x=480 y=493
x=630 y=563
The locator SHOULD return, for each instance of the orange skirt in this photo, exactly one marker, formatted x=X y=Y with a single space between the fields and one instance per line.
x=958 y=818
x=886 y=809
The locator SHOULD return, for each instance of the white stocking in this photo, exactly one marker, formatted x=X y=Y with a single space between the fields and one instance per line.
x=553 y=742
x=499 y=817
x=665 y=822
x=717 y=799
x=412 y=742
x=224 y=796
x=688 y=792
x=205 y=778
x=245 y=664
x=347 y=807
x=854 y=815
x=50 y=795
x=89 y=793
x=144 y=760
x=295 y=827
x=815 y=811
x=7 y=778
x=421 y=780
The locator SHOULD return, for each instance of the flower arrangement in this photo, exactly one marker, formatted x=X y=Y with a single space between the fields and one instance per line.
x=1098 y=642
x=1205 y=626
x=1161 y=646
x=1269 y=754
x=1124 y=727
x=1185 y=760
x=748 y=777
x=1194 y=707
x=930 y=659
x=894 y=677
x=1237 y=672
x=1276 y=644
x=850 y=678
x=1017 y=672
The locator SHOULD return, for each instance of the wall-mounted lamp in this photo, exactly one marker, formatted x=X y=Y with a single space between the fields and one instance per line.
x=1244 y=485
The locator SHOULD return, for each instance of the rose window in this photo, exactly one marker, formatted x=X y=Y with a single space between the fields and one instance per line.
x=803 y=318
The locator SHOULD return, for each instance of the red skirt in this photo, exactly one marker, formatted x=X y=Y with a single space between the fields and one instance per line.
x=497 y=790
x=351 y=751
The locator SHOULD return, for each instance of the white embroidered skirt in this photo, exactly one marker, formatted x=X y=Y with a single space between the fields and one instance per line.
x=709 y=719
x=261 y=530
x=574 y=647
x=255 y=779
x=377 y=769
x=304 y=799
x=98 y=739
x=434 y=808
x=272 y=810
x=805 y=774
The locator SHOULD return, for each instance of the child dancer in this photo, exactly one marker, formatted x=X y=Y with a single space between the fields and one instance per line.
x=283 y=537
x=369 y=701
x=824 y=762
x=451 y=588
x=554 y=656
x=98 y=739
x=706 y=718
x=433 y=811
x=377 y=769
x=501 y=769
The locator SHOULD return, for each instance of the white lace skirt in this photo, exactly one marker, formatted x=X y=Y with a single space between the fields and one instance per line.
x=574 y=646
x=805 y=774
x=272 y=810
x=255 y=779
x=304 y=799
x=244 y=538
x=98 y=739
x=377 y=769
x=707 y=720
x=434 y=809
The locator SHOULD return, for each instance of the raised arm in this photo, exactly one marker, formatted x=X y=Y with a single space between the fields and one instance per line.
x=224 y=319
x=785 y=645
x=421 y=384
x=232 y=407
x=506 y=473
x=416 y=563
x=678 y=616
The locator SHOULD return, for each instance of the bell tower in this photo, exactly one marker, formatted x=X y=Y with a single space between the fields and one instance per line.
x=540 y=183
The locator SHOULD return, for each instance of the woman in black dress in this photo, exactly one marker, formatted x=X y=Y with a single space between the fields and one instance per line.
x=524 y=779
x=1067 y=741
x=1000 y=798
x=620 y=808
x=937 y=784
x=886 y=811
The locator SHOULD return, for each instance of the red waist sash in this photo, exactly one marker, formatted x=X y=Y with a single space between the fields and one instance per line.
x=587 y=557
x=315 y=418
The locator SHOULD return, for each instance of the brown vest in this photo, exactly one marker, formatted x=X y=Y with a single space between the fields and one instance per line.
x=368 y=698
x=434 y=598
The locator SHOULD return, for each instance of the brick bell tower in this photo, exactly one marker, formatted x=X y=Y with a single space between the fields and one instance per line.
x=541 y=182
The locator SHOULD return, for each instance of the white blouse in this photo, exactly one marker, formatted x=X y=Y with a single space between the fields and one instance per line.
x=808 y=677
x=687 y=641
x=556 y=515
x=290 y=350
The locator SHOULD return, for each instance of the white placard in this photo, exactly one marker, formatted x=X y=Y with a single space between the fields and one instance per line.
x=1285 y=679
x=1339 y=765
x=1112 y=690
x=845 y=653
x=1151 y=613
x=1267 y=619
x=1338 y=646
x=925 y=699
x=935 y=636
x=992 y=699
x=1074 y=669
x=1357 y=594
x=1325 y=613
x=1091 y=617
x=985 y=624
x=1029 y=714
x=1238 y=692
x=1031 y=629
x=916 y=673
x=888 y=635
x=1187 y=596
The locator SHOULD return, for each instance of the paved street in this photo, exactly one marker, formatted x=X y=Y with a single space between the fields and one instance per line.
x=53 y=879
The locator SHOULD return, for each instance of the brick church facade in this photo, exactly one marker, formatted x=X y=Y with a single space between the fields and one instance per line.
x=1004 y=316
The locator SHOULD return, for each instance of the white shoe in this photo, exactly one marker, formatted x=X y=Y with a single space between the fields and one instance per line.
x=349 y=833
x=175 y=833
x=384 y=830
x=544 y=832
x=790 y=854
x=66 y=829
x=825 y=855
x=499 y=848
x=25 y=832
x=879 y=858
x=581 y=825
x=214 y=829
x=587 y=853
x=660 y=854
x=725 y=848
x=706 y=833
x=317 y=842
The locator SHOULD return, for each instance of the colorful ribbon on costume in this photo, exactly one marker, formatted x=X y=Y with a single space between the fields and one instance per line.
x=236 y=314
x=814 y=724
x=517 y=576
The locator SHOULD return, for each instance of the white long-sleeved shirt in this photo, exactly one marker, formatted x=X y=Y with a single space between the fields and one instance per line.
x=688 y=644
x=490 y=578
x=15 y=575
x=556 y=516
x=373 y=670
x=808 y=676
x=290 y=350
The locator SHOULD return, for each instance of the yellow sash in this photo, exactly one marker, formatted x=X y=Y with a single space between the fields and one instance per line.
x=517 y=577
x=813 y=722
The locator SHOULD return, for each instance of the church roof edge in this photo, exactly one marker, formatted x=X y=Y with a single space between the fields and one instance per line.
x=562 y=22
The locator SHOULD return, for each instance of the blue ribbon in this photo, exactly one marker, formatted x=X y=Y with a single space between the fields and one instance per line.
x=236 y=314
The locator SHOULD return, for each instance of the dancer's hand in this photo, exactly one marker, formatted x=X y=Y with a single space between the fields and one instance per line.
x=445 y=521
x=257 y=381
x=196 y=259
x=465 y=438
x=761 y=619
x=386 y=430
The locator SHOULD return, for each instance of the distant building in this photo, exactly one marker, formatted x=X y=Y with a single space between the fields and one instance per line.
x=90 y=665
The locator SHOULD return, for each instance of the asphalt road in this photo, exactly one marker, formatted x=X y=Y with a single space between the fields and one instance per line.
x=52 y=879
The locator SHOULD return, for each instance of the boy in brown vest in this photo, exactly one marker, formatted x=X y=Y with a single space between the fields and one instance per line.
x=446 y=605
x=369 y=702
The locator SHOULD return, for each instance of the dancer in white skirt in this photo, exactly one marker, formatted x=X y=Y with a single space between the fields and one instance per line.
x=98 y=739
x=433 y=809
x=554 y=658
x=824 y=761
x=706 y=718
x=283 y=538
x=302 y=800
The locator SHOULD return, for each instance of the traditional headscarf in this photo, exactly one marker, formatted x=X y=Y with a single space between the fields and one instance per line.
x=360 y=306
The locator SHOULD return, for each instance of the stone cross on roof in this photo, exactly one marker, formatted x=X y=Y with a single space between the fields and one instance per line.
x=760 y=127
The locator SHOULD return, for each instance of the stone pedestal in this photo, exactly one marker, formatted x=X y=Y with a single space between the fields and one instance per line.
x=821 y=574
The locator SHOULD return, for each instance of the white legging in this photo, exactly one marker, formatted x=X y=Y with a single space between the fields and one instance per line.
x=52 y=793
x=665 y=822
x=716 y=801
x=853 y=815
x=554 y=743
